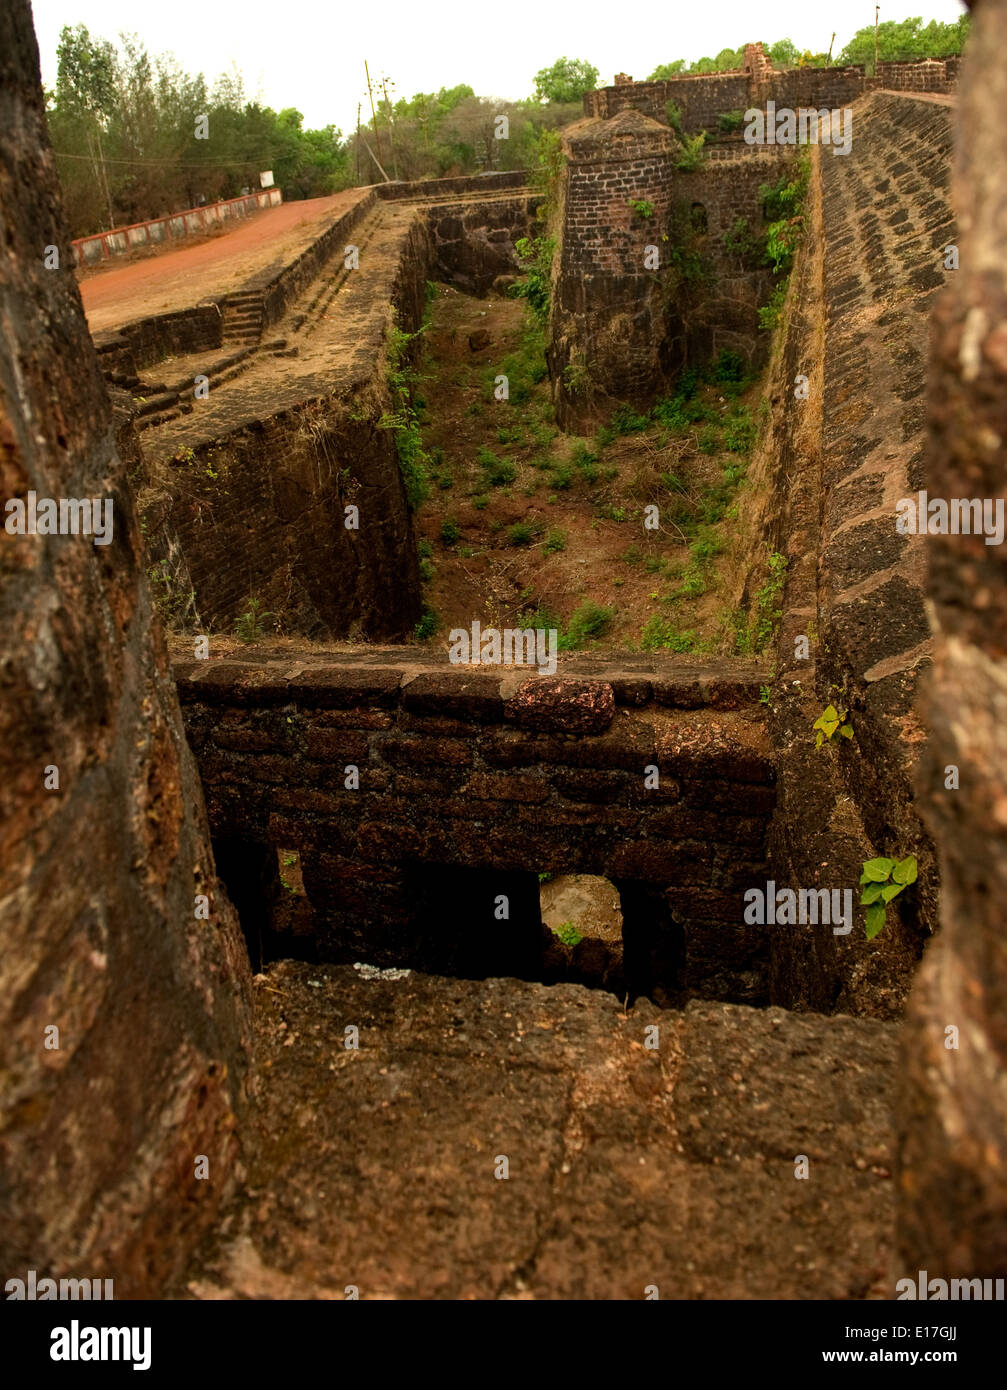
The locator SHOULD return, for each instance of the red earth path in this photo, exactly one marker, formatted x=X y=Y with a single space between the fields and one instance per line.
x=181 y=277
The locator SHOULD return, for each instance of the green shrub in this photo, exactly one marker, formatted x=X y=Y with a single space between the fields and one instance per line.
x=249 y=627
x=427 y=625
x=450 y=531
x=739 y=433
x=709 y=439
x=660 y=634
x=692 y=155
x=497 y=471
x=588 y=622
x=627 y=421
x=520 y=533
x=555 y=540
x=728 y=366
x=769 y=313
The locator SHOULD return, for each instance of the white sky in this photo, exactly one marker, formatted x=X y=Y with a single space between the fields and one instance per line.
x=310 y=53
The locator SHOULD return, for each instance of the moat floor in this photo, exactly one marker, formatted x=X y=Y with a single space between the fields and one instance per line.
x=633 y=1159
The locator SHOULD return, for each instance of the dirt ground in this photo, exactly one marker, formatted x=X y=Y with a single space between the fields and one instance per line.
x=181 y=276
x=565 y=526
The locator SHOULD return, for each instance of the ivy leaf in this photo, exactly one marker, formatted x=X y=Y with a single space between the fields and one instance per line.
x=878 y=870
x=875 y=920
x=891 y=890
x=870 y=894
x=905 y=870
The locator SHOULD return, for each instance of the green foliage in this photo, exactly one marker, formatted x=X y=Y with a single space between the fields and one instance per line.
x=125 y=120
x=731 y=120
x=692 y=155
x=567 y=80
x=753 y=637
x=770 y=312
x=640 y=207
x=427 y=625
x=665 y=70
x=660 y=634
x=568 y=934
x=739 y=432
x=903 y=40
x=414 y=463
x=536 y=256
x=727 y=60
x=496 y=471
x=520 y=534
x=628 y=421
x=830 y=722
x=783 y=53
x=674 y=114
x=555 y=540
x=709 y=439
x=576 y=378
x=883 y=880
x=588 y=622
x=450 y=531
x=741 y=241
x=249 y=627
x=782 y=205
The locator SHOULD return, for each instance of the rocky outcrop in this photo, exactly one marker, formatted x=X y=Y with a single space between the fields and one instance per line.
x=123 y=1009
x=953 y=1179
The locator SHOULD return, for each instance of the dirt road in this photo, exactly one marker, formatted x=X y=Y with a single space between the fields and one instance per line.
x=182 y=277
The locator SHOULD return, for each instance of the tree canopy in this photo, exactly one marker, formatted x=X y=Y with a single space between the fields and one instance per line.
x=124 y=127
x=904 y=39
x=567 y=80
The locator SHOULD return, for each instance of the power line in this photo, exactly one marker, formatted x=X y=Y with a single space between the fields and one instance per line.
x=184 y=164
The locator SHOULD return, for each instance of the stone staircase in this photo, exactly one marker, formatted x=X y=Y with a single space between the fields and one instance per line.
x=311 y=309
x=243 y=318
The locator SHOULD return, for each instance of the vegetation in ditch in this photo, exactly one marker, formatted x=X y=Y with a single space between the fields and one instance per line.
x=783 y=208
x=250 y=627
x=883 y=880
x=403 y=418
x=617 y=540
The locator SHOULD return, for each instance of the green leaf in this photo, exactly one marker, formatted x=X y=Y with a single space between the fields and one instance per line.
x=875 y=920
x=905 y=870
x=818 y=740
x=878 y=870
x=870 y=894
x=891 y=890
x=846 y=731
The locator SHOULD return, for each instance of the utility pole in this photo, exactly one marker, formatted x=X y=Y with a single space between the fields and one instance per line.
x=828 y=61
x=877 y=11
x=374 y=118
x=357 y=147
x=99 y=159
x=388 y=119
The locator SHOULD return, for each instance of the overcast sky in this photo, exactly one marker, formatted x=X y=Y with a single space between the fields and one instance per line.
x=310 y=53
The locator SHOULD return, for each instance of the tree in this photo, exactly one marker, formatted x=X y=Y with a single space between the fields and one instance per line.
x=907 y=39
x=783 y=53
x=665 y=70
x=567 y=80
